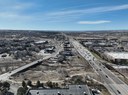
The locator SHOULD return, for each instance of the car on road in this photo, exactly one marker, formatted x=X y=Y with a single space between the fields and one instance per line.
x=118 y=91
x=106 y=76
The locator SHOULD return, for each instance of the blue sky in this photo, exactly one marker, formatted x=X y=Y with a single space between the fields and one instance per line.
x=64 y=14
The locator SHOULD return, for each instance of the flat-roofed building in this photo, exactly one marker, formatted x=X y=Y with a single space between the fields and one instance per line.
x=41 y=42
x=71 y=90
x=117 y=57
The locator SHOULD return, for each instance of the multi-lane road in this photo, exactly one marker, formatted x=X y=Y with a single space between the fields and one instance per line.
x=114 y=85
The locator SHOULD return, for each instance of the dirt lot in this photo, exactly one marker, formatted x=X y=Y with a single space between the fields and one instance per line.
x=56 y=71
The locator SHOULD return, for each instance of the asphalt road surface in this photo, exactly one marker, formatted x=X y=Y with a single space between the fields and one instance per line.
x=114 y=85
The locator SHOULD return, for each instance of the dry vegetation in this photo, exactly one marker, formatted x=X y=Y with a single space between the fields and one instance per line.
x=59 y=72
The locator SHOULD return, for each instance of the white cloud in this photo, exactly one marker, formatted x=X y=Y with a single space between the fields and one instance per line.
x=21 y=6
x=14 y=15
x=14 y=10
x=94 y=22
x=15 y=5
x=89 y=10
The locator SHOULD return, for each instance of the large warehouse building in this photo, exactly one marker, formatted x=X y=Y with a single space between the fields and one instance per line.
x=117 y=57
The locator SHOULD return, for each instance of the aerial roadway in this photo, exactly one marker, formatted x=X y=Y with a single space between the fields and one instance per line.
x=6 y=76
x=114 y=85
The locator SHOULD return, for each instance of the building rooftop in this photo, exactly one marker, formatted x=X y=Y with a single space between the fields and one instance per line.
x=71 y=90
x=117 y=55
x=40 y=42
x=121 y=67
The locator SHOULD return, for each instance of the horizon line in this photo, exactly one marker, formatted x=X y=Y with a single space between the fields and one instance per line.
x=45 y=30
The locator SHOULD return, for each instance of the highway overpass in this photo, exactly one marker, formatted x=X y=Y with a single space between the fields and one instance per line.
x=6 y=76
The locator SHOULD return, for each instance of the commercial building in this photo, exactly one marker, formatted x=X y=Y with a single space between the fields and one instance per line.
x=70 y=90
x=41 y=42
x=117 y=57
